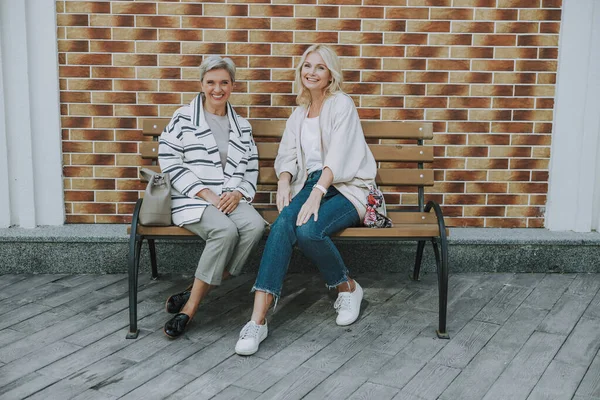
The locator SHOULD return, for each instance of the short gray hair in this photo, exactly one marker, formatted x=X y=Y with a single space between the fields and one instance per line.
x=216 y=62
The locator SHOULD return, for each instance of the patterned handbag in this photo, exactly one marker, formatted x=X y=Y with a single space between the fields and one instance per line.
x=373 y=218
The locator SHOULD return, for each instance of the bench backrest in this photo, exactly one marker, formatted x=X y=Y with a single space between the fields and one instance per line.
x=397 y=146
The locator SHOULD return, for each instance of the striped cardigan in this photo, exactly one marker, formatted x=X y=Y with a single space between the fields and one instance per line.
x=188 y=152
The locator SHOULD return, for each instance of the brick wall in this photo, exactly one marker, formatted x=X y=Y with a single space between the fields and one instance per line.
x=483 y=71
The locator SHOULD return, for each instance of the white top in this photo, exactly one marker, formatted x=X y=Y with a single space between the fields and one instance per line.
x=310 y=139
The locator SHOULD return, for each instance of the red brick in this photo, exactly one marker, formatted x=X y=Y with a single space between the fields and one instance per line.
x=317 y=11
x=433 y=77
x=450 y=39
x=517 y=27
x=473 y=27
x=87 y=7
x=447 y=90
x=518 y=3
x=540 y=15
x=204 y=23
x=513 y=103
x=226 y=10
x=75 y=97
x=384 y=26
x=428 y=51
x=189 y=35
x=362 y=12
x=90 y=84
x=390 y=51
x=402 y=89
x=294 y=24
x=451 y=13
x=112 y=20
x=402 y=114
x=74 y=72
x=428 y=26
x=472 y=52
x=496 y=14
x=470 y=77
x=407 y=13
x=126 y=7
x=452 y=65
x=179 y=9
x=247 y=23
x=134 y=34
x=447 y=115
x=89 y=59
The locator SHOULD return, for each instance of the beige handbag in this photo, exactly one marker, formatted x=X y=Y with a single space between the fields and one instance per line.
x=156 y=207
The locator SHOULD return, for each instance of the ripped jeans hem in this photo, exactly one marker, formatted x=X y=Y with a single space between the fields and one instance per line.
x=344 y=279
x=271 y=292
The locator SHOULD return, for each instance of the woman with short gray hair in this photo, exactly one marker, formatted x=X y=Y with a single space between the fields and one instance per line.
x=211 y=158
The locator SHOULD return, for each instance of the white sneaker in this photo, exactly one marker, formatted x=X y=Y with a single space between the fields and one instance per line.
x=251 y=336
x=347 y=306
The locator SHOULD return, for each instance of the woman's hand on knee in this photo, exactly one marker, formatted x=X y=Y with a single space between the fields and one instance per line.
x=310 y=208
x=284 y=194
x=229 y=201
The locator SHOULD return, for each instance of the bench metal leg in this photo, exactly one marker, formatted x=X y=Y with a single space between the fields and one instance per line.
x=134 y=263
x=417 y=269
x=442 y=268
x=152 y=248
x=135 y=248
x=442 y=273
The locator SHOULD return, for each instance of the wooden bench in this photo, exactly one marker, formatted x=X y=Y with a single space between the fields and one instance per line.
x=399 y=165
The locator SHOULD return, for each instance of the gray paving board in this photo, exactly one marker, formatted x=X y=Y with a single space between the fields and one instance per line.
x=514 y=336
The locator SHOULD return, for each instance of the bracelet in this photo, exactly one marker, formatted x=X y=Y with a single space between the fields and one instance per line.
x=321 y=188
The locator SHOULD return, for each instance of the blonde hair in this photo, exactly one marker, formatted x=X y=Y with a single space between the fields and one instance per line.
x=332 y=62
x=216 y=62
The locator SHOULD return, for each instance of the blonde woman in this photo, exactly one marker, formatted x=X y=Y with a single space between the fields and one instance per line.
x=325 y=168
x=212 y=162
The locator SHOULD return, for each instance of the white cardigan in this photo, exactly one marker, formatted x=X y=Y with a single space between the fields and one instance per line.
x=343 y=146
x=188 y=152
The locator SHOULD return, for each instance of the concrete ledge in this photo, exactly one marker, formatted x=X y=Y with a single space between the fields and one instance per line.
x=104 y=249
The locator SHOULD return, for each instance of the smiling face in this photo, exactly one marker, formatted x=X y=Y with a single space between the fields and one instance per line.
x=217 y=87
x=315 y=74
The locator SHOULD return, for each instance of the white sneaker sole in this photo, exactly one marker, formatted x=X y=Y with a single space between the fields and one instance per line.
x=251 y=351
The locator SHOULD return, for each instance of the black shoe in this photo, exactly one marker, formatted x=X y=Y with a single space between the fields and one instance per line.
x=176 y=302
x=176 y=325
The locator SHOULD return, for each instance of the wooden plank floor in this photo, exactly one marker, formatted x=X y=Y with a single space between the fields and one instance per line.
x=513 y=336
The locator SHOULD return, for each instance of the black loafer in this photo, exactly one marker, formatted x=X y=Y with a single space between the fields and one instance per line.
x=176 y=302
x=176 y=325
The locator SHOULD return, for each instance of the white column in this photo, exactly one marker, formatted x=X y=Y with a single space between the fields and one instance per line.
x=44 y=103
x=31 y=169
x=574 y=168
x=4 y=179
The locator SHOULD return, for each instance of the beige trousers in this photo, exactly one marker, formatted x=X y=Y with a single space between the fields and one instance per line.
x=229 y=240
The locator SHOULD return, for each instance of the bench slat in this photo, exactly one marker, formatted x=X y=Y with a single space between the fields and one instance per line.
x=397 y=231
x=385 y=177
x=398 y=217
x=397 y=130
x=275 y=128
x=382 y=152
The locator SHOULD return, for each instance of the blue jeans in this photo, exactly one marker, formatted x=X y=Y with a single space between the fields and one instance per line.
x=313 y=238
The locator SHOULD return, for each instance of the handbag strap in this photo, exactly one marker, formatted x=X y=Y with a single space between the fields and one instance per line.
x=147 y=173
